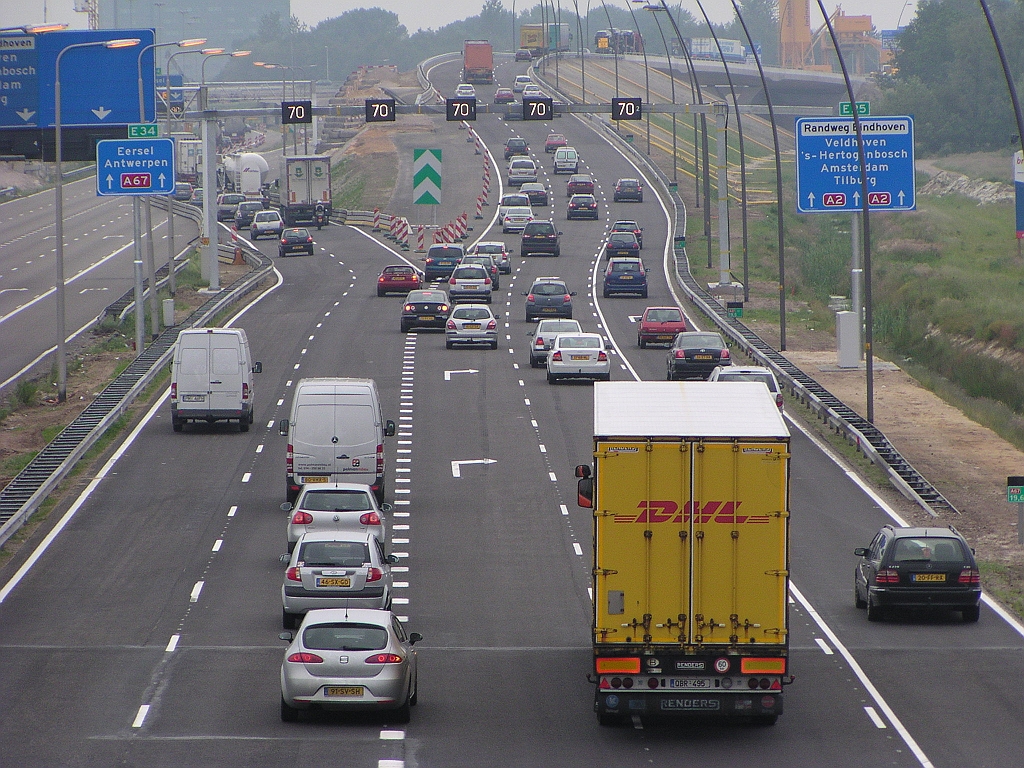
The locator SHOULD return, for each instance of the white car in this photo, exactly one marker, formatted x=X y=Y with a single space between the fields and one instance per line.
x=749 y=373
x=471 y=324
x=465 y=91
x=469 y=282
x=497 y=251
x=335 y=507
x=516 y=218
x=266 y=223
x=532 y=90
x=578 y=356
x=521 y=169
x=510 y=199
x=521 y=82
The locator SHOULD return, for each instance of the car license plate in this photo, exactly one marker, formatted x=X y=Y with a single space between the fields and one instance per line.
x=689 y=683
x=426 y=317
x=580 y=357
x=702 y=357
x=193 y=398
x=626 y=277
x=343 y=690
x=472 y=326
x=929 y=577
x=333 y=581
x=548 y=309
x=314 y=479
x=667 y=337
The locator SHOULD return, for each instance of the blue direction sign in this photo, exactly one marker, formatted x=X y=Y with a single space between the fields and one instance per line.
x=99 y=86
x=828 y=178
x=135 y=167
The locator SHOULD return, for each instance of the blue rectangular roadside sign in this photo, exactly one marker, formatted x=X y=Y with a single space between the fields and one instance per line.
x=828 y=177
x=135 y=167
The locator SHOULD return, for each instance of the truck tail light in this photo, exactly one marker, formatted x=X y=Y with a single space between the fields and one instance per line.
x=374 y=574
x=887 y=576
x=970 y=576
x=557 y=357
x=384 y=658
x=623 y=665
x=174 y=392
x=289 y=460
x=293 y=574
x=369 y=518
x=245 y=391
x=380 y=459
x=302 y=518
x=305 y=657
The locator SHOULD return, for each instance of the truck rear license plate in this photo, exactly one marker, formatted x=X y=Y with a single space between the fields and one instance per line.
x=690 y=683
x=314 y=479
x=343 y=690
x=333 y=581
x=193 y=398
x=929 y=577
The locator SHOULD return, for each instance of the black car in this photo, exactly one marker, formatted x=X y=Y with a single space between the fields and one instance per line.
x=244 y=213
x=537 y=193
x=621 y=244
x=628 y=189
x=540 y=236
x=625 y=274
x=442 y=258
x=548 y=297
x=295 y=240
x=425 y=309
x=516 y=146
x=628 y=225
x=695 y=354
x=582 y=207
x=917 y=567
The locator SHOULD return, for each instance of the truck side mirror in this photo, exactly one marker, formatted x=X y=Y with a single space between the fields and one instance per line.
x=258 y=367
x=282 y=426
x=585 y=492
x=582 y=470
x=389 y=428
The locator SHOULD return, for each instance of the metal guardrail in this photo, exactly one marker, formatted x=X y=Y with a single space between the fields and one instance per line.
x=860 y=432
x=23 y=495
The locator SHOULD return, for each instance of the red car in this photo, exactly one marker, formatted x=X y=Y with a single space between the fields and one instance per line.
x=398 y=278
x=579 y=184
x=554 y=141
x=659 y=325
x=504 y=96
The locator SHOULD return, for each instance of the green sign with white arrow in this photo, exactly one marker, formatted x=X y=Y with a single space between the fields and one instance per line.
x=426 y=176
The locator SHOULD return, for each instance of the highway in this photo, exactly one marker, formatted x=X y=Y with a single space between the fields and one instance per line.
x=147 y=630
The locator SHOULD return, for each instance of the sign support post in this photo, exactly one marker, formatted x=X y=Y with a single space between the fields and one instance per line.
x=1015 y=495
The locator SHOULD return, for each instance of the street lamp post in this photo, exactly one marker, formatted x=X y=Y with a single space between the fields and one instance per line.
x=210 y=265
x=154 y=314
x=672 y=77
x=647 y=72
x=62 y=365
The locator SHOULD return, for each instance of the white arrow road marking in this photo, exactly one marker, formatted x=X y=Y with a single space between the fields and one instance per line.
x=448 y=375
x=457 y=465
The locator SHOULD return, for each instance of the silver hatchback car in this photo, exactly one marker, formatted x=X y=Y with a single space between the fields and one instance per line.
x=545 y=334
x=335 y=569
x=469 y=283
x=349 y=660
x=498 y=252
x=471 y=324
x=578 y=356
x=335 y=507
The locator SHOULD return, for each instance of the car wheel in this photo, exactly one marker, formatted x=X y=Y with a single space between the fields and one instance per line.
x=448 y=344
x=289 y=714
x=488 y=299
x=971 y=614
x=403 y=713
x=177 y=424
x=552 y=378
x=606 y=377
x=414 y=699
x=494 y=345
x=640 y=199
x=607 y=294
x=766 y=720
x=874 y=611
x=288 y=620
x=669 y=376
x=405 y=328
x=644 y=294
x=857 y=601
x=534 y=363
x=243 y=424
x=641 y=343
x=380 y=293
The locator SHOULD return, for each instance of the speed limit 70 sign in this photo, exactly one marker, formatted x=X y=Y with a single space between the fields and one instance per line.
x=457 y=110
x=293 y=112
x=626 y=109
x=538 y=108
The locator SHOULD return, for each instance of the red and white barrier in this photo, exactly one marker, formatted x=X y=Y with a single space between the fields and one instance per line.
x=479 y=208
x=420 y=247
x=462 y=226
x=376 y=219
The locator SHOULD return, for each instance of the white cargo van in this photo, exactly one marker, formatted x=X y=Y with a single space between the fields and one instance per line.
x=567 y=160
x=211 y=377
x=335 y=435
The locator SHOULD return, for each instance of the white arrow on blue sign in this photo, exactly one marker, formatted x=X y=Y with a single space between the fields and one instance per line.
x=828 y=178
x=135 y=167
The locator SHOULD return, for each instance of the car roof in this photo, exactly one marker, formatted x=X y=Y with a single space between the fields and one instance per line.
x=376 y=616
x=472 y=306
x=582 y=195
x=427 y=294
x=628 y=181
x=902 y=533
x=446 y=247
x=490 y=242
x=335 y=535
x=625 y=222
x=533 y=185
x=738 y=369
x=336 y=487
x=631 y=259
x=543 y=280
x=648 y=309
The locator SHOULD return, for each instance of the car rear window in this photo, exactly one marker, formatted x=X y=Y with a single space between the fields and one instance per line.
x=548 y=289
x=928 y=549
x=427 y=296
x=344 y=637
x=767 y=379
x=664 y=316
x=445 y=253
x=539 y=228
x=489 y=249
x=470 y=273
x=625 y=266
x=701 y=340
x=336 y=554
x=471 y=313
x=398 y=270
x=335 y=501
x=579 y=342
x=557 y=326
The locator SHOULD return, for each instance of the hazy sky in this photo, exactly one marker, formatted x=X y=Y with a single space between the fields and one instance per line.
x=415 y=14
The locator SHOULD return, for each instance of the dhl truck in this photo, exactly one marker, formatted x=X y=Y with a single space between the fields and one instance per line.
x=689 y=489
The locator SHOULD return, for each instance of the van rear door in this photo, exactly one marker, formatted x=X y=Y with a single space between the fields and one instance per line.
x=225 y=372
x=313 y=440
x=193 y=374
x=356 y=436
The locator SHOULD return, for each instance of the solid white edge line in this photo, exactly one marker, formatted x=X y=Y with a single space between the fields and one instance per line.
x=864 y=679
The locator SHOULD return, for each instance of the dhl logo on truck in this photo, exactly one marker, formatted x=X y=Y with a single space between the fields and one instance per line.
x=692 y=512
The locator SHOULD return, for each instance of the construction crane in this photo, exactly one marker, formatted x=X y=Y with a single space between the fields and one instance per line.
x=92 y=8
x=802 y=48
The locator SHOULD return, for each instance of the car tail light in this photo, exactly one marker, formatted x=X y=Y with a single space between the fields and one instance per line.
x=369 y=518
x=174 y=392
x=724 y=355
x=557 y=357
x=539 y=342
x=679 y=354
x=970 y=576
x=444 y=307
x=289 y=460
x=451 y=281
x=284 y=241
x=245 y=391
x=887 y=576
x=302 y=517
x=450 y=325
x=380 y=459
x=429 y=261
x=384 y=658
x=602 y=357
x=409 y=307
x=492 y=325
x=567 y=299
x=381 y=279
x=293 y=574
x=487 y=281
x=305 y=657
x=374 y=574
x=530 y=298
x=309 y=239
